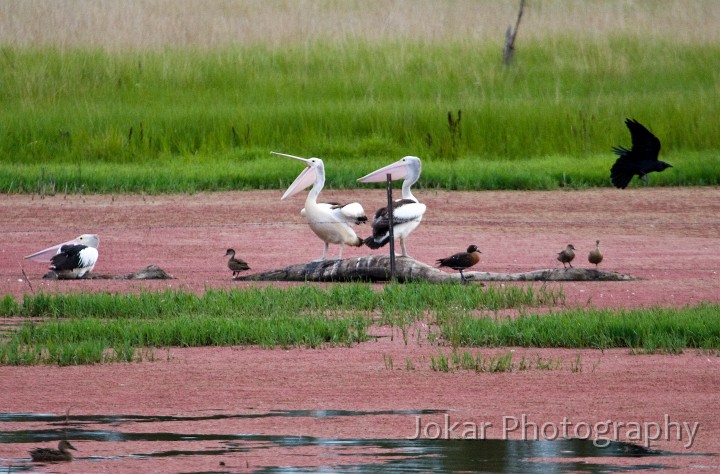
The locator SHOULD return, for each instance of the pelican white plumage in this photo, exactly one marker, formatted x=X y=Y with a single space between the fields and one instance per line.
x=407 y=211
x=71 y=259
x=332 y=222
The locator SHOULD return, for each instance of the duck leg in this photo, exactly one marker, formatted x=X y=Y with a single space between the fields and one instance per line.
x=462 y=277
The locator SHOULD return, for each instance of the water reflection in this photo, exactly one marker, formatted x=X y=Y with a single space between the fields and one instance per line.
x=419 y=455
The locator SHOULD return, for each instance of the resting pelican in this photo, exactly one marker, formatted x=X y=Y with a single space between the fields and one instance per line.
x=331 y=222
x=407 y=212
x=71 y=259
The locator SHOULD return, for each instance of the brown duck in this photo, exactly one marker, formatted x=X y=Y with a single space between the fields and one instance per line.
x=595 y=256
x=567 y=255
x=235 y=264
x=461 y=261
x=49 y=454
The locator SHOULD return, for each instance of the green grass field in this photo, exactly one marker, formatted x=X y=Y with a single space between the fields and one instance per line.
x=99 y=119
x=103 y=327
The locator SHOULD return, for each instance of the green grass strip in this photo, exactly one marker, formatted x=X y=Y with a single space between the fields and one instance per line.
x=108 y=327
x=650 y=330
x=267 y=301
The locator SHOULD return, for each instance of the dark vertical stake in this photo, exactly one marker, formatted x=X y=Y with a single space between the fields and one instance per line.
x=390 y=222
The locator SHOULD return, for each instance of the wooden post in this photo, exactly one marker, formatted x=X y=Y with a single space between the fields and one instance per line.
x=390 y=222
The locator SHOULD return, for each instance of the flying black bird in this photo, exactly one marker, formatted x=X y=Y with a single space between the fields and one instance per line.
x=640 y=159
x=461 y=261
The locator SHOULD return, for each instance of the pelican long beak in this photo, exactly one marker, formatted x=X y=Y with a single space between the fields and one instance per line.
x=47 y=254
x=305 y=178
x=397 y=170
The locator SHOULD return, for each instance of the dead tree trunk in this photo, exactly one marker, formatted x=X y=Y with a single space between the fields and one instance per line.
x=510 y=34
x=377 y=268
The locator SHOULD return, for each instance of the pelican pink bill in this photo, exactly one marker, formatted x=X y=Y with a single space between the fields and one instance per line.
x=331 y=222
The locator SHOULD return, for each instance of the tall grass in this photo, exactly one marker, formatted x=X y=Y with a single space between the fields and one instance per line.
x=188 y=120
x=650 y=330
x=257 y=301
x=104 y=327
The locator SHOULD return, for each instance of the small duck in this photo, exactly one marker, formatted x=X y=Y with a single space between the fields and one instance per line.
x=595 y=256
x=235 y=264
x=461 y=261
x=49 y=454
x=567 y=256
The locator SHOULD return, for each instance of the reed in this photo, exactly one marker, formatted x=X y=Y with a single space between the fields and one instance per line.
x=186 y=120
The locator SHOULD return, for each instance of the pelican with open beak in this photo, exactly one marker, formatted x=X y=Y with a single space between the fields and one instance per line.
x=331 y=222
x=407 y=211
x=71 y=259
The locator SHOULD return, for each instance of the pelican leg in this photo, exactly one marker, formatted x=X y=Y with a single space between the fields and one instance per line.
x=342 y=246
x=402 y=246
x=324 y=256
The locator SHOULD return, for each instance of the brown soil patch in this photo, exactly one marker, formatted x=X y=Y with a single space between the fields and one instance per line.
x=670 y=238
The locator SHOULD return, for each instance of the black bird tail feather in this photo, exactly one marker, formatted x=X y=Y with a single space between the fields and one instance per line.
x=375 y=244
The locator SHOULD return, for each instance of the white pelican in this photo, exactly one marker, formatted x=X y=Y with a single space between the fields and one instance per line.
x=331 y=222
x=71 y=259
x=407 y=212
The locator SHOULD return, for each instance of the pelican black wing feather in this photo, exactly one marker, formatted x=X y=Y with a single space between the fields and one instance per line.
x=68 y=258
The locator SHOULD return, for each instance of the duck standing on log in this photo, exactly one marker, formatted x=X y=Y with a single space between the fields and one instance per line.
x=595 y=256
x=567 y=255
x=72 y=259
x=52 y=455
x=407 y=211
x=235 y=264
x=461 y=261
x=331 y=222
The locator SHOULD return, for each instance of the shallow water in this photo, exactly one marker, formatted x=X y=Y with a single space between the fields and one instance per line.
x=407 y=455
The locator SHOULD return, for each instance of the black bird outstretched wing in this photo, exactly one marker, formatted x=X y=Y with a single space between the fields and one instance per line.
x=645 y=145
x=640 y=159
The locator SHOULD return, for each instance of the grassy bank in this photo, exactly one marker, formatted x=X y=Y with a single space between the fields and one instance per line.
x=649 y=330
x=103 y=327
x=83 y=120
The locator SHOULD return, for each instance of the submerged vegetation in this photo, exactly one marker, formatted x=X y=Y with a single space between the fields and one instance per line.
x=67 y=329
